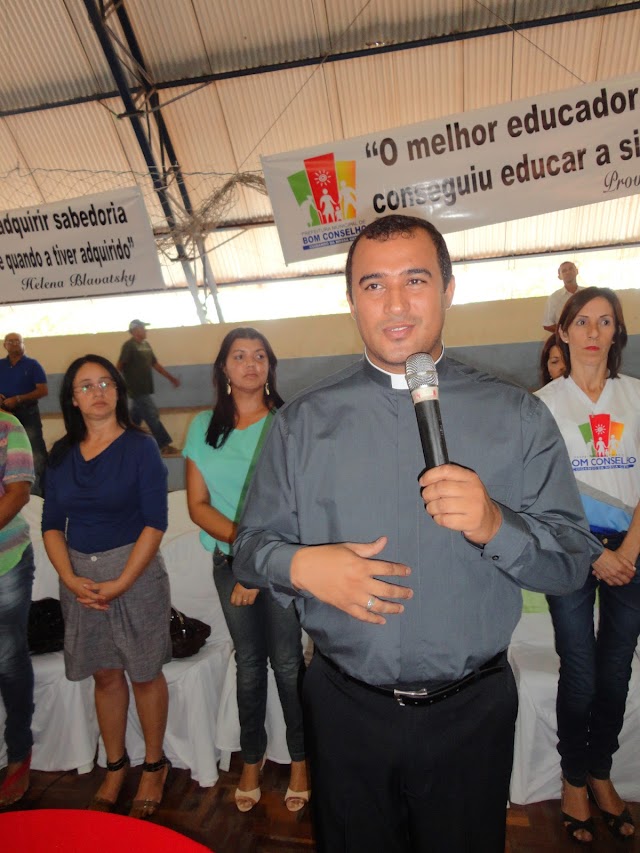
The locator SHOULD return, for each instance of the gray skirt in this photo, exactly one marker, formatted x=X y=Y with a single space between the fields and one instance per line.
x=133 y=634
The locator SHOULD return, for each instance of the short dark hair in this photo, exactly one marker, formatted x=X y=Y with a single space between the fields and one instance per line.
x=552 y=341
x=73 y=420
x=388 y=226
x=223 y=419
x=571 y=310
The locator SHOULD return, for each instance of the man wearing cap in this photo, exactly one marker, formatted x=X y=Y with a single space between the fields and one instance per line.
x=136 y=360
x=22 y=383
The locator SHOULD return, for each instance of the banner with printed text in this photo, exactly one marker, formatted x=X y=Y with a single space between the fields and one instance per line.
x=89 y=246
x=548 y=152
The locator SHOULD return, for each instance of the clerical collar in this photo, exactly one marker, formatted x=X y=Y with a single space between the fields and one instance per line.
x=398 y=380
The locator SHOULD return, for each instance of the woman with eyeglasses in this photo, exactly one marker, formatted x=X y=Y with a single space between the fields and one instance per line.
x=221 y=450
x=104 y=516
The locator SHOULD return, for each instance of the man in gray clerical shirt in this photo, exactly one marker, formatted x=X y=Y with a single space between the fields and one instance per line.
x=410 y=588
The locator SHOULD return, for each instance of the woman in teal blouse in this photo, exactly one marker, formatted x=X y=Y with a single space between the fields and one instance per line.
x=221 y=450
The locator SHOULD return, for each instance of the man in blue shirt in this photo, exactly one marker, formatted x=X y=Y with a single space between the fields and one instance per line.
x=22 y=383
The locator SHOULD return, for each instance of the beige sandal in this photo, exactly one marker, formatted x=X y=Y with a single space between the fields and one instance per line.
x=296 y=800
x=246 y=800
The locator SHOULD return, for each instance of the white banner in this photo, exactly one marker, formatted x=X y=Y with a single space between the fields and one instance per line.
x=544 y=153
x=89 y=246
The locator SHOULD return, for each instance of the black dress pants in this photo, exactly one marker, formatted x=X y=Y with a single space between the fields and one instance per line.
x=393 y=779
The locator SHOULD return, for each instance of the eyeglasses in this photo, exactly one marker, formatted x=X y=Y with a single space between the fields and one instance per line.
x=103 y=386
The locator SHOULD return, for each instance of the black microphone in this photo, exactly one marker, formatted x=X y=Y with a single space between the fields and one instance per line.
x=422 y=379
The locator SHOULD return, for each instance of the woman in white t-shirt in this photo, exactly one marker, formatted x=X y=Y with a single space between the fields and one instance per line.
x=598 y=412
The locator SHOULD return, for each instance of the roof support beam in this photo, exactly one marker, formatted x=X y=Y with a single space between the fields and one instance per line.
x=312 y=61
x=151 y=97
x=98 y=22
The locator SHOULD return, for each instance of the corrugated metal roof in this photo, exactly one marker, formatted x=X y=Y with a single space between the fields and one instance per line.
x=275 y=112
x=255 y=33
x=50 y=54
x=169 y=37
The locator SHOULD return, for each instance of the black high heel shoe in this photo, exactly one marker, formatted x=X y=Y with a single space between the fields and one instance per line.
x=614 y=822
x=102 y=804
x=143 y=809
x=573 y=825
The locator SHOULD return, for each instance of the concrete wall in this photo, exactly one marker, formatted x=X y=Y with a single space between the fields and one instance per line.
x=503 y=338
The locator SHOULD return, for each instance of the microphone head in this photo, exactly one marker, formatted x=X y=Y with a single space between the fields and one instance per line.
x=420 y=371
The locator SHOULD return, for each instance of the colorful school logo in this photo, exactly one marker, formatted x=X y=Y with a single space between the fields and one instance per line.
x=602 y=435
x=325 y=190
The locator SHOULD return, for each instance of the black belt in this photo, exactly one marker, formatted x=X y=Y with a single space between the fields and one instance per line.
x=428 y=696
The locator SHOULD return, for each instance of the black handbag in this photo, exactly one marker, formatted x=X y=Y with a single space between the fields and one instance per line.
x=188 y=635
x=45 y=628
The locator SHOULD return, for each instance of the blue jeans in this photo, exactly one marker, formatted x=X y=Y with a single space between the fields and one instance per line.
x=16 y=672
x=29 y=417
x=262 y=632
x=594 y=673
x=144 y=409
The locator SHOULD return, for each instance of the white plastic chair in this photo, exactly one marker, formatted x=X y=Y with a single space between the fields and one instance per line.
x=195 y=683
x=207 y=608
x=536 y=763
x=65 y=729
x=179 y=521
x=228 y=729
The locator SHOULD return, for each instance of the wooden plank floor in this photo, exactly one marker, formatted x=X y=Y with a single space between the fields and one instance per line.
x=209 y=815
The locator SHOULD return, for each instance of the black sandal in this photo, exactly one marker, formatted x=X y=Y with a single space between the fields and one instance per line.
x=573 y=825
x=143 y=809
x=101 y=804
x=615 y=822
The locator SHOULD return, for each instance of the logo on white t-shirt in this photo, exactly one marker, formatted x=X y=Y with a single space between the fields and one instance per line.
x=602 y=437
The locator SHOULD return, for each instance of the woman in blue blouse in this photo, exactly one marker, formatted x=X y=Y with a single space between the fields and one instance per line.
x=104 y=517
x=221 y=451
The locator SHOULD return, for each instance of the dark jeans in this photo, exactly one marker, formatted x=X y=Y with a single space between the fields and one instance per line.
x=29 y=417
x=392 y=779
x=594 y=673
x=144 y=409
x=16 y=672
x=264 y=631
